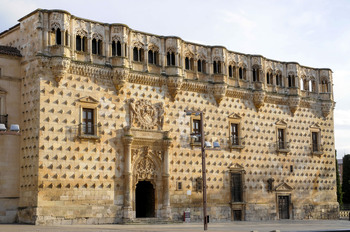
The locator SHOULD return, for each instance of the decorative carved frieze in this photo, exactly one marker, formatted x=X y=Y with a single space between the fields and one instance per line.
x=146 y=115
x=144 y=79
x=195 y=87
x=174 y=84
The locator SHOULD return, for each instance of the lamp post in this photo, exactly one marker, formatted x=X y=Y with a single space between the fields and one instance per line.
x=190 y=112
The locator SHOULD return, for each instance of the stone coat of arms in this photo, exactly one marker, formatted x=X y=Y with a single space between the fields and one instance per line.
x=145 y=115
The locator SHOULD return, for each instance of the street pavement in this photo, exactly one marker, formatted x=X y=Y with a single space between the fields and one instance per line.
x=244 y=226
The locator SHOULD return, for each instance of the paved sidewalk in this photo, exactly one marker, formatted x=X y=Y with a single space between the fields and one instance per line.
x=288 y=225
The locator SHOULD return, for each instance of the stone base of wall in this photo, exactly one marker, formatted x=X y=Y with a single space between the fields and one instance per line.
x=69 y=215
x=8 y=210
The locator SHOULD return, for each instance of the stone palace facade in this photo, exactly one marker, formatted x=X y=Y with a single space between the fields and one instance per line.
x=104 y=137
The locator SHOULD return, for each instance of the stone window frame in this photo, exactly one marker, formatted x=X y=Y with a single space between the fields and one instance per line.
x=281 y=124
x=237 y=168
x=88 y=103
x=193 y=141
x=235 y=119
x=315 y=128
x=3 y=114
x=179 y=186
x=232 y=70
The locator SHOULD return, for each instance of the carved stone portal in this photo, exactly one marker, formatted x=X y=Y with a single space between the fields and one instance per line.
x=145 y=115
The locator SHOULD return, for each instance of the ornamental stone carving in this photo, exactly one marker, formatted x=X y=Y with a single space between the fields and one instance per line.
x=294 y=102
x=119 y=78
x=60 y=67
x=259 y=98
x=326 y=108
x=145 y=169
x=146 y=115
x=174 y=84
x=219 y=92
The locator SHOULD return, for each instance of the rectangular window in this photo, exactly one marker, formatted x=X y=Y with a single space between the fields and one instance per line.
x=315 y=146
x=88 y=122
x=280 y=137
x=234 y=134
x=236 y=187
x=196 y=129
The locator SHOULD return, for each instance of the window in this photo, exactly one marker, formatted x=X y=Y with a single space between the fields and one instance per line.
x=282 y=145
x=255 y=74
x=231 y=71
x=138 y=54
x=279 y=79
x=170 y=58
x=217 y=67
x=234 y=134
x=236 y=187
x=88 y=128
x=199 y=184
x=80 y=44
x=324 y=86
x=280 y=137
x=291 y=81
x=315 y=142
x=313 y=86
x=152 y=57
x=179 y=185
x=116 y=48
x=235 y=138
x=3 y=115
x=188 y=63
x=88 y=122
x=241 y=73
x=201 y=66
x=96 y=46
x=269 y=78
x=196 y=130
x=57 y=34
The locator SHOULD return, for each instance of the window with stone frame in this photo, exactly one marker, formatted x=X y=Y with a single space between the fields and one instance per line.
x=316 y=146
x=291 y=80
x=201 y=66
x=96 y=46
x=196 y=130
x=189 y=63
x=216 y=67
x=279 y=80
x=269 y=78
x=81 y=43
x=138 y=54
x=116 y=48
x=57 y=35
x=236 y=187
x=170 y=57
x=88 y=126
x=235 y=137
x=242 y=73
x=231 y=71
x=3 y=115
x=281 y=140
x=152 y=57
x=256 y=77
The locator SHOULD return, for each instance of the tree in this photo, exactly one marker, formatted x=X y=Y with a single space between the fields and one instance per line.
x=339 y=188
x=346 y=179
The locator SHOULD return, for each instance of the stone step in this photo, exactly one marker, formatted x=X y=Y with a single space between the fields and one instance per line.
x=143 y=221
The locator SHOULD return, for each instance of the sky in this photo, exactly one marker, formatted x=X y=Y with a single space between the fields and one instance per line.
x=314 y=33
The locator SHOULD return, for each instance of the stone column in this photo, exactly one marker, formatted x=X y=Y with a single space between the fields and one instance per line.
x=127 y=209
x=237 y=76
x=166 y=210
